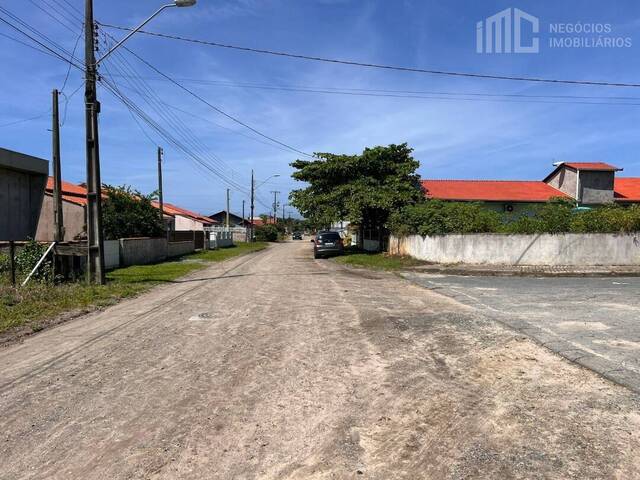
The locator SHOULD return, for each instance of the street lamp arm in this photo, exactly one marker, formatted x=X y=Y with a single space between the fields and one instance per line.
x=268 y=178
x=132 y=32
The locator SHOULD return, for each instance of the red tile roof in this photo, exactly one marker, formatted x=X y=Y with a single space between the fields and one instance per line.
x=70 y=192
x=627 y=189
x=490 y=190
x=172 y=210
x=595 y=166
x=258 y=222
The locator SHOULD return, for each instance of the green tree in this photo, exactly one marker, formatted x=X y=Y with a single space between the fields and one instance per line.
x=363 y=189
x=127 y=213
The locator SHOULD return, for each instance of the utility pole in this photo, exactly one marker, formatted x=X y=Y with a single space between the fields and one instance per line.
x=275 y=205
x=243 y=222
x=58 y=220
x=160 y=200
x=253 y=194
x=227 y=217
x=95 y=244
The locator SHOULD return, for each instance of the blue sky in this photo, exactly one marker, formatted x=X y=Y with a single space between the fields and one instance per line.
x=451 y=138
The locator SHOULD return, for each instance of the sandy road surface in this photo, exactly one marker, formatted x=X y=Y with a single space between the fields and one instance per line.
x=279 y=366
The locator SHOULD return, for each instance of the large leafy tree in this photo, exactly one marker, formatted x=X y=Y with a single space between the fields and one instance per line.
x=127 y=213
x=363 y=189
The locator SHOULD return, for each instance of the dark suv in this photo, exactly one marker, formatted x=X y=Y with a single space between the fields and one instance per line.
x=327 y=243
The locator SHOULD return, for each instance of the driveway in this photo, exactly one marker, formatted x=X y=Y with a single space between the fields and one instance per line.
x=594 y=321
x=277 y=366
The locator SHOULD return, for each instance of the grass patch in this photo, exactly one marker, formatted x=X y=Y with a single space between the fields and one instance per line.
x=37 y=302
x=230 y=252
x=377 y=261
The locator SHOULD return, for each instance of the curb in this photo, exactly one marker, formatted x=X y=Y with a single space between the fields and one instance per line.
x=527 y=271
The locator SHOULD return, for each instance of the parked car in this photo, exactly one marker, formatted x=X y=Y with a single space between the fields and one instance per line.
x=296 y=236
x=327 y=243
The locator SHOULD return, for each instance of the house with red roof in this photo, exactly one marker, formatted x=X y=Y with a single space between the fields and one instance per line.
x=178 y=218
x=585 y=183
x=74 y=200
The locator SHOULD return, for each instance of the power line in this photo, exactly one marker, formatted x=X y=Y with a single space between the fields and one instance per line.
x=217 y=109
x=381 y=66
x=432 y=95
x=25 y=119
x=40 y=43
x=155 y=102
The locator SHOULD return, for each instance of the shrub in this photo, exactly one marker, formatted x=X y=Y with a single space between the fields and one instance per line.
x=436 y=217
x=266 y=233
x=28 y=257
x=127 y=213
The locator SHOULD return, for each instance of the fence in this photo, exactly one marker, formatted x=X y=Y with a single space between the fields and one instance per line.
x=239 y=234
x=543 y=249
x=220 y=240
x=195 y=236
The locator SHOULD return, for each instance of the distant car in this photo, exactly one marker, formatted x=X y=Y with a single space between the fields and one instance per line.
x=296 y=236
x=327 y=243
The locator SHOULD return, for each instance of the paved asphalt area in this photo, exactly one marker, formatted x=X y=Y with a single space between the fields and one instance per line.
x=593 y=321
x=278 y=366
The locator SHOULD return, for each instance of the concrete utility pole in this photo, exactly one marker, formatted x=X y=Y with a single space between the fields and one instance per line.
x=275 y=205
x=160 y=200
x=243 y=223
x=58 y=219
x=283 y=205
x=95 y=243
x=227 y=217
x=253 y=195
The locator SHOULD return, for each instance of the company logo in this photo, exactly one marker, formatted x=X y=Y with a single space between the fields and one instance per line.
x=504 y=31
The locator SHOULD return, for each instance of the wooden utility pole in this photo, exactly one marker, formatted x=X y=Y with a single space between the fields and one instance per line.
x=160 y=200
x=95 y=243
x=58 y=219
x=227 y=217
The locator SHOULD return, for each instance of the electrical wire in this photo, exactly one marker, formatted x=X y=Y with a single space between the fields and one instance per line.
x=377 y=65
x=217 y=109
x=153 y=100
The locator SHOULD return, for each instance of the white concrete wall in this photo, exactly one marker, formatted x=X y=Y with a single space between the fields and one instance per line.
x=111 y=254
x=220 y=240
x=543 y=249
x=186 y=223
x=140 y=251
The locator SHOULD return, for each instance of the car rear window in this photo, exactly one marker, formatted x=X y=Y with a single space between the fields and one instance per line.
x=329 y=236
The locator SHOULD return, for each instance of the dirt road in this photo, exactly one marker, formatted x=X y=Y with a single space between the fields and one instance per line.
x=276 y=366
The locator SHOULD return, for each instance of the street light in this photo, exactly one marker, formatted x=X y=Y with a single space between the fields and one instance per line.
x=95 y=243
x=176 y=3
x=253 y=195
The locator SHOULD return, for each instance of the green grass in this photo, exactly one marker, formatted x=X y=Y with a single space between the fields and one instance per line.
x=377 y=261
x=226 y=253
x=32 y=305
